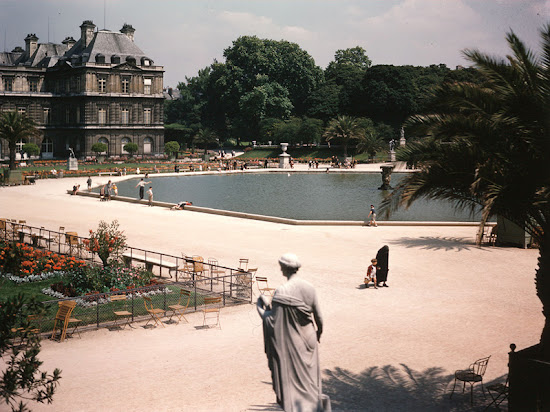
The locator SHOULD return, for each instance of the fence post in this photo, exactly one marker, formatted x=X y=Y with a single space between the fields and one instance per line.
x=97 y=311
x=133 y=294
x=223 y=288
x=164 y=293
x=195 y=297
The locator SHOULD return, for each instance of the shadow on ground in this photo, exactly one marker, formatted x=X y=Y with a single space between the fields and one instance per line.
x=436 y=243
x=390 y=388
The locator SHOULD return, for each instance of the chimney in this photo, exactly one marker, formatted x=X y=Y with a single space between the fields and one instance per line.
x=31 y=42
x=86 y=32
x=69 y=42
x=128 y=30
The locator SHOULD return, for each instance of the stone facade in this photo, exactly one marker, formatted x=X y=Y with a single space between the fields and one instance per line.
x=101 y=88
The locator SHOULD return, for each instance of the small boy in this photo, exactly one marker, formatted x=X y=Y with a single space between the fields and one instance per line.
x=150 y=195
x=371 y=274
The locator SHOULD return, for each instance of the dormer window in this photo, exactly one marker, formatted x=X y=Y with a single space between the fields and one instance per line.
x=131 y=60
x=99 y=58
x=115 y=59
x=145 y=61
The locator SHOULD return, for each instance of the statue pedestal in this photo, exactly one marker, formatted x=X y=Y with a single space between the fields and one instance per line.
x=284 y=161
x=72 y=163
x=392 y=155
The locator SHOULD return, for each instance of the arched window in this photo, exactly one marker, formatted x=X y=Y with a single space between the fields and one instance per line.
x=148 y=145
x=104 y=140
x=123 y=142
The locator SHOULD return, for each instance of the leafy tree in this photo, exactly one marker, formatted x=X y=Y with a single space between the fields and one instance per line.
x=21 y=377
x=99 y=148
x=311 y=130
x=390 y=94
x=131 y=148
x=355 y=56
x=488 y=145
x=172 y=148
x=344 y=129
x=324 y=102
x=106 y=241
x=31 y=149
x=287 y=131
x=13 y=127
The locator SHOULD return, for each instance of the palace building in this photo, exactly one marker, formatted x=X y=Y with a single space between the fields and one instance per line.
x=100 y=88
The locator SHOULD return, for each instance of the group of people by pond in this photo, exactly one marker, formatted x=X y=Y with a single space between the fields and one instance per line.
x=141 y=184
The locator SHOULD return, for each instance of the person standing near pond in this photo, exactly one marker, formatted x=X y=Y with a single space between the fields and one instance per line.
x=382 y=258
x=150 y=195
x=141 y=184
x=292 y=327
x=89 y=182
x=372 y=216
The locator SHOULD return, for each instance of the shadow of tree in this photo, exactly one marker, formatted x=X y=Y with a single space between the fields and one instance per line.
x=435 y=243
x=390 y=388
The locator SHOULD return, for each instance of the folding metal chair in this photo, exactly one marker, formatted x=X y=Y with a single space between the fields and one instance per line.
x=154 y=312
x=123 y=313
x=180 y=308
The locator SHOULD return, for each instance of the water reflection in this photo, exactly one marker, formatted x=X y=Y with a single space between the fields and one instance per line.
x=305 y=196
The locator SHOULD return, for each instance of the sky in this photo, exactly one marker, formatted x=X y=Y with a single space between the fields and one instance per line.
x=185 y=36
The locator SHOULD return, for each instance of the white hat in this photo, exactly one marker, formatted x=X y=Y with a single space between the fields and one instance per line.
x=290 y=260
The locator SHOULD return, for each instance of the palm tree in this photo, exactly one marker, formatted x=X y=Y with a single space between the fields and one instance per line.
x=205 y=137
x=488 y=145
x=13 y=127
x=370 y=142
x=344 y=128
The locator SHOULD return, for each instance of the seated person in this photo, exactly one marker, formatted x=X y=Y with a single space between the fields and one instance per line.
x=76 y=188
x=180 y=205
x=371 y=274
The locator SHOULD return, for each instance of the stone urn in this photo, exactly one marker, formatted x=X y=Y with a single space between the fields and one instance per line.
x=386 y=177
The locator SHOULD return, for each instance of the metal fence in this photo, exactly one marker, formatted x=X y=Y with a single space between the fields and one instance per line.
x=201 y=278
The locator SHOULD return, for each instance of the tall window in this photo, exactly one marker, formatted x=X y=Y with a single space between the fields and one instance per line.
x=102 y=116
x=46 y=115
x=21 y=110
x=67 y=115
x=147 y=145
x=78 y=84
x=8 y=84
x=125 y=85
x=147 y=115
x=125 y=116
x=102 y=84
x=47 y=145
x=147 y=86
x=33 y=85
x=77 y=114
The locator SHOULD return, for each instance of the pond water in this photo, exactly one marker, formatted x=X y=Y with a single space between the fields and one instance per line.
x=304 y=196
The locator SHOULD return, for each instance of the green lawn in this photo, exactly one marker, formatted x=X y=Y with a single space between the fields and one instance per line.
x=309 y=153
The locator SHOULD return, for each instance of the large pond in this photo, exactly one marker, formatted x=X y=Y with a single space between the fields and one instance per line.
x=304 y=196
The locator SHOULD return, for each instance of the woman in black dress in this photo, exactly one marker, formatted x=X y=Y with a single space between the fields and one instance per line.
x=382 y=258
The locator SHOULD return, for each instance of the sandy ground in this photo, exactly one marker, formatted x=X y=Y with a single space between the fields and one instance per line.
x=449 y=303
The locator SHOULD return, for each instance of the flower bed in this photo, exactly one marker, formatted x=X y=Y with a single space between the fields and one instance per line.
x=21 y=260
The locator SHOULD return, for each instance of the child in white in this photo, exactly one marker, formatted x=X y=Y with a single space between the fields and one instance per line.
x=371 y=274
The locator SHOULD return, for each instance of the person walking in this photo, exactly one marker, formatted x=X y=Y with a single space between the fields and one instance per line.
x=150 y=195
x=89 y=182
x=141 y=184
x=372 y=216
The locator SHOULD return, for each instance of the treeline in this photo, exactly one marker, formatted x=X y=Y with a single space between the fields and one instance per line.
x=271 y=90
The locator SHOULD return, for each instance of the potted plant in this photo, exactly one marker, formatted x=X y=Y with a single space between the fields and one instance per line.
x=172 y=149
x=131 y=148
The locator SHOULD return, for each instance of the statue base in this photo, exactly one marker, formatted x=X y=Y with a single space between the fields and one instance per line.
x=72 y=163
x=284 y=161
x=392 y=155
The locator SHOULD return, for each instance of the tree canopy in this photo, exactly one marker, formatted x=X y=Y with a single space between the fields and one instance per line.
x=15 y=127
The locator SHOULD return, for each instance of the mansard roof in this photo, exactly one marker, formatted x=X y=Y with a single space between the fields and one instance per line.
x=107 y=43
